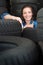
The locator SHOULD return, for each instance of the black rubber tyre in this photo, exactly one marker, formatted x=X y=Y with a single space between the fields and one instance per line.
x=30 y=34
x=10 y=28
x=26 y=52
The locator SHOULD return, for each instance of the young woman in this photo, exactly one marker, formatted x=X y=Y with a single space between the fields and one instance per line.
x=29 y=17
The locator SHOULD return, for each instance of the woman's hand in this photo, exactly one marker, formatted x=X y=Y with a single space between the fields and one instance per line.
x=17 y=18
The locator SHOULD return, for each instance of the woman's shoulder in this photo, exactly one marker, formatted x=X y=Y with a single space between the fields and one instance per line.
x=4 y=14
x=35 y=22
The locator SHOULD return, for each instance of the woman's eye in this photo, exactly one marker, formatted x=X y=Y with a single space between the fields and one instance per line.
x=24 y=12
x=29 y=12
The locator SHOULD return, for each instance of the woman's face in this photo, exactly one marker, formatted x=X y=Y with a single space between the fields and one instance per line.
x=27 y=14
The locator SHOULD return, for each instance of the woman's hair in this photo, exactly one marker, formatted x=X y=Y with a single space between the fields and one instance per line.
x=33 y=11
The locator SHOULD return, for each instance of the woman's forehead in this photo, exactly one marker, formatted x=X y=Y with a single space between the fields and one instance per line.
x=27 y=9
